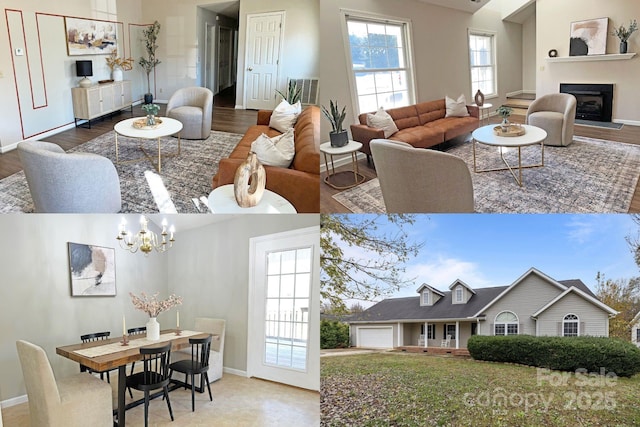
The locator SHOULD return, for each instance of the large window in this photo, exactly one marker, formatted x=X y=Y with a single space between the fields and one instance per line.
x=380 y=63
x=451 y=331
x=506 y=324
x=431 y=331
x=483 y=62
x=570 y=326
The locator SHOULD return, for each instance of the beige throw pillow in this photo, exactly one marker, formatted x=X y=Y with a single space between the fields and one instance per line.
x=456 y=108
x=276 y=151
x=382 y=120
x=284 y=116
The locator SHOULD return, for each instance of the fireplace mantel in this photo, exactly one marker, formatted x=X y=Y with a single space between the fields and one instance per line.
x=607 y=57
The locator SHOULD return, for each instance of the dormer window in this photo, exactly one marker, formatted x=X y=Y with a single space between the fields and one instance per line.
x=459 y=294
x=426 y=297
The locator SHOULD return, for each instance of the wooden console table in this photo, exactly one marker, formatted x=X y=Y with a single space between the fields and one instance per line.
x=100 y=100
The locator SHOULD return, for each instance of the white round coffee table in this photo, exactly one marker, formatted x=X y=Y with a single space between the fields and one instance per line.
x=223 y=200
x=166 y=128
x=351 y=148
x=533 y=135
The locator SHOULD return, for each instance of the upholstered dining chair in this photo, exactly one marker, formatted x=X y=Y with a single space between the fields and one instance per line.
x=154 y=376
x=193 y=107
x=78 y=400
x=96 y=336
x=198 y=364
x=415 y=180
x=556 y=114
x=62 y=182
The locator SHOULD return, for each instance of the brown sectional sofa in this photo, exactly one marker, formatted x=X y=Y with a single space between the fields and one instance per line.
x=300 y=183
x=422 y=125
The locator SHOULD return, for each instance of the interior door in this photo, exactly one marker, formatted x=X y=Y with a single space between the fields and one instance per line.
x=284 y=308
x=264 y=35
x=225 y=57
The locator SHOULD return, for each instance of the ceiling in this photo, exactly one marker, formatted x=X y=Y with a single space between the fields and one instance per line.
x=182 y=222
x=465 y=5
x=226 y=8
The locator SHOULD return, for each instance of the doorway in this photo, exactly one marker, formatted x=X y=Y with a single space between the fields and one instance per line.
x=284 y=320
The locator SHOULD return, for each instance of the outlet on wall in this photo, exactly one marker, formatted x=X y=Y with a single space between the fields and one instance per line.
x=160 y=90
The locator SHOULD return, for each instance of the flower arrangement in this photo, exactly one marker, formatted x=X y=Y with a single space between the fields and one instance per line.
x=114 y=61
x=151 y=305
x=504 y=111
x=623 y=33
x=151 y=109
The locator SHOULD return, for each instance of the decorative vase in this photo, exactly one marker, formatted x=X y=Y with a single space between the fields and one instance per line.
x=117 y=74
x=148 y=98
x=151 y=120
x=504 y=126
x=247 y=193
x=339 y=139
x=153 y=329
x=479 y=98
x=623 y=47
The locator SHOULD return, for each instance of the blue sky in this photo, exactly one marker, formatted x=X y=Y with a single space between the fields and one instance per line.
x=496 y=249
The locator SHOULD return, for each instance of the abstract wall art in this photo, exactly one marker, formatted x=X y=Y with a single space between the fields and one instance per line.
x=90 y=37
x=589 y=37
x=92 y=270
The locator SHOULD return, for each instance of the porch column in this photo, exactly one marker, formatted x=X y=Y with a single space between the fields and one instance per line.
x=426 y=334
x=400 y=335
x=457 y=334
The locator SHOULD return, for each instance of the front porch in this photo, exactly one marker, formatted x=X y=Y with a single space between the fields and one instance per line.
x=443 y=337
x=441 y=351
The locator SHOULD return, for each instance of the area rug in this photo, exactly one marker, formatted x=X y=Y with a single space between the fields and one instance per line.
x=590 y=175
x=143 y=189
x=594 y=124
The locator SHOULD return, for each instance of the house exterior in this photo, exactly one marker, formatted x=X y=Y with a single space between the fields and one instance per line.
x=534 y=304
x=635 y=330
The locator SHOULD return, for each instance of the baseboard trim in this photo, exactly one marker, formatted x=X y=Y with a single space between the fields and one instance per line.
x=239 y=107
x=516 y=93
x=344 y=160
x=237 y=372
x=14 y=401
x=627 y=122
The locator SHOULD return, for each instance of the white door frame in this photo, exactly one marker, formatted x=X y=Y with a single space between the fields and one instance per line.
x=248 y=52
x=259 y=248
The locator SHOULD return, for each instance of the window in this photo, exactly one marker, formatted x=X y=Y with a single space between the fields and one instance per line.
x=506 y=324
x=451 y=330
x=638 y=335
x=425 y=298
x=570 y=326
x=483 y=62
x=459 y=294
x=380 y=63
x=431 y=331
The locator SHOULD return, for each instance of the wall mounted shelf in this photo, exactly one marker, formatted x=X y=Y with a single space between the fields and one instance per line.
x=607 y=57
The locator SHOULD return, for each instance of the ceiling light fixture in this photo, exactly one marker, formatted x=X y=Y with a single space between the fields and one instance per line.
x=145 y=239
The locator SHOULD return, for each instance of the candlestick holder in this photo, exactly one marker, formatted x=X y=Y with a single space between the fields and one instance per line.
x=178 y=331
x=125 y=340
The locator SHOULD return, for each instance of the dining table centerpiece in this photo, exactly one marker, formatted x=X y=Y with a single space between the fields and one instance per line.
x=153 y=307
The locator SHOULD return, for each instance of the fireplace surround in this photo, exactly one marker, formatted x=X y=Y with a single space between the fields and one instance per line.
x=594 y=101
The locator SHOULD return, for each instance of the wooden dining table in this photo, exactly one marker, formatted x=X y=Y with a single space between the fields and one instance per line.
x=110 y=354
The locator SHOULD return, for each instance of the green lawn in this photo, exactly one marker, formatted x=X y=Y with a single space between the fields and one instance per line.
x=400 y=389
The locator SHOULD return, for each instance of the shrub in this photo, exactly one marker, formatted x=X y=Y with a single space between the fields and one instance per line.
x=559 y=353
x=334 y=334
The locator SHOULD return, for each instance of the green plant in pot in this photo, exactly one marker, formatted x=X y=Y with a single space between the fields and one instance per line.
x=152 y=111
x=504 y=112
x=293 y=94
x=624 y=33
x=338 y=136
x=150 y=37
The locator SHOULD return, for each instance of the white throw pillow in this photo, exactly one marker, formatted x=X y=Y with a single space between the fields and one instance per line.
x=285 y=116
x=382 y=120
x=456 y=108
x=276 y=151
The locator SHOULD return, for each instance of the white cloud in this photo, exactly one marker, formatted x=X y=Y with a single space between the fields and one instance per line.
x=580 y=229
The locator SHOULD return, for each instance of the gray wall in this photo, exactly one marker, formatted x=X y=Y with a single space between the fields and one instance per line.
x=593 y=321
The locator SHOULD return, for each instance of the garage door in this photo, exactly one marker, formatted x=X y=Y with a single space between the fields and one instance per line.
x=381 y=337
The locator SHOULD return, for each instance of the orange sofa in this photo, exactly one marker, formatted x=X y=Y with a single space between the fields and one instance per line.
x=300 y=183
x=421 y=125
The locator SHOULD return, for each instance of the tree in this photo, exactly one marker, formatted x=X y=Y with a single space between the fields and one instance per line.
x=622 y=295
x=356 y=307
x=361 y=258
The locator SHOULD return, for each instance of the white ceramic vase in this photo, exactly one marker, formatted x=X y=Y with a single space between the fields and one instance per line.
x=153 y=329
x=117 y=75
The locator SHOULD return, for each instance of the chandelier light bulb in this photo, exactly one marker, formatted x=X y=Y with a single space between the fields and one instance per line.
x=145 y=240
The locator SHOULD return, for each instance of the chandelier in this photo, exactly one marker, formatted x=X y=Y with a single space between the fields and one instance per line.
x=145 y=239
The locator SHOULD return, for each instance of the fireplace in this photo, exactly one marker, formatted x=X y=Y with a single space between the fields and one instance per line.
x=595 y=101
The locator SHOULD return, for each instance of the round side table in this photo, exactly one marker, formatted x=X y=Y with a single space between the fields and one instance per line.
x=223 y=200
x=352 y=149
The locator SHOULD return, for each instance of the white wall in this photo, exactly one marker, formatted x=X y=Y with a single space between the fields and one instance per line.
x=440 y=50
x=553 y=22
x=529 y=54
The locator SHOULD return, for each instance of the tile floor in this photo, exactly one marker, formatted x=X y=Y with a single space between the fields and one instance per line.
x=237 y=401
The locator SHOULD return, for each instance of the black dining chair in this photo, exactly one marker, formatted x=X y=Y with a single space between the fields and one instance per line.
x=97 y=336
x=135 y=331
x=154 y=376
x=197 y=365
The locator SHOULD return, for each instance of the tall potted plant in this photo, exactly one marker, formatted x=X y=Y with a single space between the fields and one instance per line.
x=150 y=35
x=338 y=136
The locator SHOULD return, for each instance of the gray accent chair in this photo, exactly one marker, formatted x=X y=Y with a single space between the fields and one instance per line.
x=415 y=180
x=62 y=182
x=216 y=356
x=77 y=400
x=556 y=114
x=193 y=107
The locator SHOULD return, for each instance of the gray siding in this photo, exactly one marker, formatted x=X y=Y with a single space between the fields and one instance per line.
x=524 y=299
x=593 y=321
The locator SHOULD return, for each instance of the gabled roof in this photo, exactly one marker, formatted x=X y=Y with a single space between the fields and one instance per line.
x=409 y=308
x=460 y=282
x=519 y=280
x=432 y=289
x=580 y=293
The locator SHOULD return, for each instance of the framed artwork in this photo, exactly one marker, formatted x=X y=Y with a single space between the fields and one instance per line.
x=589 y=37
x=90 y=37
x=92 y=270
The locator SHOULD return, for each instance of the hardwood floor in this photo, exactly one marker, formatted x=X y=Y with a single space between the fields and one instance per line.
x=628 y=134
x=224 y=120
